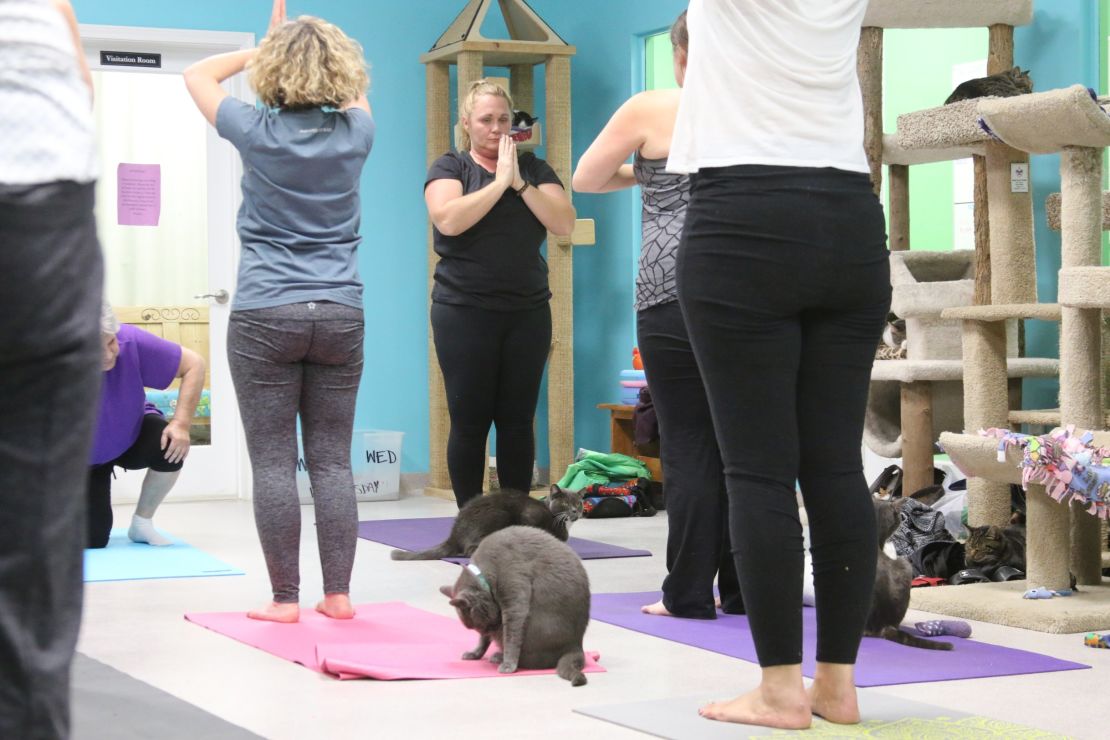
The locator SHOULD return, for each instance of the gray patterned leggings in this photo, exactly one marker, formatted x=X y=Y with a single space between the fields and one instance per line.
x=301 y=358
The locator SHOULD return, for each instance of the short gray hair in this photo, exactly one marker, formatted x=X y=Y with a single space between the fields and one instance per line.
x=109 y=324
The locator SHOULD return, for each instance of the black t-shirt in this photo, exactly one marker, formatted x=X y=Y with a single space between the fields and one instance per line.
x=495 y=264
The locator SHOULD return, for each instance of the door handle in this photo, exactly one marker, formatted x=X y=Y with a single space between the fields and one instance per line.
x=220 y=296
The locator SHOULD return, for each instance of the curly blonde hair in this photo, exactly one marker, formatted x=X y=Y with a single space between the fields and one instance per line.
x=477 y=89
x=307 y=63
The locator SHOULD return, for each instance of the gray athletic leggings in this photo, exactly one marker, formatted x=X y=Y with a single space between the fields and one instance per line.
x=301 y=358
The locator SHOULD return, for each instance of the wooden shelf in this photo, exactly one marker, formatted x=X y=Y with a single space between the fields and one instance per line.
x=622 y=436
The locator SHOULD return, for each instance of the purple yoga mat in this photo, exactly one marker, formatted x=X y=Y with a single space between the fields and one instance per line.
x=880 y=662
x=425 y=533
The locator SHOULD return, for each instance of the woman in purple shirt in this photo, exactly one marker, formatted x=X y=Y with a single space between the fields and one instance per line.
x=129 y=434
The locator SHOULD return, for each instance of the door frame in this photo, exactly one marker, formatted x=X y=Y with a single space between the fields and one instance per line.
x=180 y=47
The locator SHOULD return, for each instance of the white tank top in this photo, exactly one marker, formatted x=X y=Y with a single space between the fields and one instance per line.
x=771 y=82
x=46 y=120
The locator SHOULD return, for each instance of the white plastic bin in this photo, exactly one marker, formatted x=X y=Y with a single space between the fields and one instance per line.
x=375 y=462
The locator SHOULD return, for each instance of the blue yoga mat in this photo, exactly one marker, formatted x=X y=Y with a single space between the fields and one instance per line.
x=124 y=560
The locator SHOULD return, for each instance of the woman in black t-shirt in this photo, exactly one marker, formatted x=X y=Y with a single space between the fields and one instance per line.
x=491 y=210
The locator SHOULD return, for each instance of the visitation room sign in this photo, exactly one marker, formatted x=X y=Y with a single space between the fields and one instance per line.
x=130 y=59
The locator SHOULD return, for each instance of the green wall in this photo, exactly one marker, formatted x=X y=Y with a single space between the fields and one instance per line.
x=917 y=74
x=659 y=62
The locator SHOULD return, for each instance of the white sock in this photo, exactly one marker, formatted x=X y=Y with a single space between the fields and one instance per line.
x=142 y=530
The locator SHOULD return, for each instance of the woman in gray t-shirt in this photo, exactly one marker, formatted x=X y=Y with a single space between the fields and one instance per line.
x=295 y=335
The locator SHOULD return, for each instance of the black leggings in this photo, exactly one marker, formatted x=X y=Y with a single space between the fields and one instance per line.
x=694 y=479
x=146 y=452
x=492 y=363
x=784 y=282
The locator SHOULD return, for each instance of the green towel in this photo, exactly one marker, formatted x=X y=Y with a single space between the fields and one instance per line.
x=601 y=467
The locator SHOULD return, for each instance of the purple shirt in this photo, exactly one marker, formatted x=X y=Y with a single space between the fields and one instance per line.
x=145 y=361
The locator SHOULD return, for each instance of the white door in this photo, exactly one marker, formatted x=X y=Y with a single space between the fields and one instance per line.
x=166 y=205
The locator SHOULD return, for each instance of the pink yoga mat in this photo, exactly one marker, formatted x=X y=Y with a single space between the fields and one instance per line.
x=387 y=641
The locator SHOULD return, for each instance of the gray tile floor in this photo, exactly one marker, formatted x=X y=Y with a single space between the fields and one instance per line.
x=137 y=627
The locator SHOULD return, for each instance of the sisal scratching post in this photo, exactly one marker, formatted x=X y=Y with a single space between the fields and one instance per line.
x=982 y=296
x=1080 y=333
x=917 y=436
x=899 y=207
x=1000 y=47
x=522 y=87
x=985 y=405
x=869 y=69
x=560 y=369
x=437 y=140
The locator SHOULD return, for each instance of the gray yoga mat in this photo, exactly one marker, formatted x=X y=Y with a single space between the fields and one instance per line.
x=883 y=716
x=110 y=705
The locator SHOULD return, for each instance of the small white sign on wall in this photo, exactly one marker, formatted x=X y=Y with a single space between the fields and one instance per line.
x=1019 y=177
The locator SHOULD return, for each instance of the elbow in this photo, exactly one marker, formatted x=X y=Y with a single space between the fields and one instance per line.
x=193 y=365
x=580 y=183
x=565 y=227
x=446 y=227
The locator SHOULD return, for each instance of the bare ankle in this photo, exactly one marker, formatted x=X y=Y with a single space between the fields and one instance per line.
x=336 y=606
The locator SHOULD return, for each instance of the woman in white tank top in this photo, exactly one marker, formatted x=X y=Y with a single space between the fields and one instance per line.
x=784 y=283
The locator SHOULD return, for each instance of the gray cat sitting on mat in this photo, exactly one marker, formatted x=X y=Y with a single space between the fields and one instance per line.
x=528 y=593
x=891 y=597
x=484 y=515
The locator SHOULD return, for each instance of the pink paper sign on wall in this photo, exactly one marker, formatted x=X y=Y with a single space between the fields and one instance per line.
x=138 y=194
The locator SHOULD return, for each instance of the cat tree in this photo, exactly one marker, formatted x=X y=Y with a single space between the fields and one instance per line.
x=913 y=400
x=1061 y=539
x=531 y=43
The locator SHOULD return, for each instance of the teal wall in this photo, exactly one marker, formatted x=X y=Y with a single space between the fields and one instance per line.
x=1061 y=48
x=393 y=259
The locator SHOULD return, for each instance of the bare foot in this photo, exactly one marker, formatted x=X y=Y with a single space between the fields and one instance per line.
x=834 y=704
x=275 y=612
x=336 y=606
x=656 y=609
x=717 y=601
x=761 y=707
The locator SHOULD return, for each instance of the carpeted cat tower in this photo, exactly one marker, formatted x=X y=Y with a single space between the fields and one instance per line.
x=1062 y=539
x=913 y=400
x=531 y=43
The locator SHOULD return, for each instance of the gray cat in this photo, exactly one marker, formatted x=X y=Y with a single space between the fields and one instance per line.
x=891 y=596
x=528 y=593
x=484 y=515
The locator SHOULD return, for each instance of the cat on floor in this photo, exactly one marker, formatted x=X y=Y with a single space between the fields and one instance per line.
x=1013 y=81
x=891 y=596
x=992 y=547
x=484 y=515
x=527 y=593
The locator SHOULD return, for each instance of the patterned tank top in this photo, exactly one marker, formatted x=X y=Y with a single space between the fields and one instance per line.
x=665 y=197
